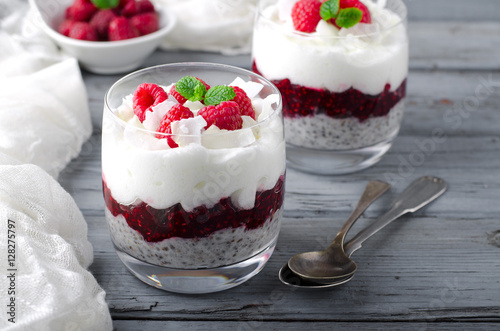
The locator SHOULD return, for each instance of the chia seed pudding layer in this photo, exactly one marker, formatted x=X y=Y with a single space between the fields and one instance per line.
x=220 y=248
x=321 y=131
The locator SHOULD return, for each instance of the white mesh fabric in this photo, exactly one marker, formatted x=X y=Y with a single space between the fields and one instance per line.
x=44 y=120
x=43 y=101
x=53 y=289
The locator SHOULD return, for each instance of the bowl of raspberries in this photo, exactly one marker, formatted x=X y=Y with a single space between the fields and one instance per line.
x=106 y=36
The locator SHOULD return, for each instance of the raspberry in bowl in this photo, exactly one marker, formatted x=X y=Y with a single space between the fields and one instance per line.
x=107 y=40
x=193 y=166
x=341 y=67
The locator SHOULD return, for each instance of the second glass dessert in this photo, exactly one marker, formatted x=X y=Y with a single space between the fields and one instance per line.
x=193 y=166
x=343 y=82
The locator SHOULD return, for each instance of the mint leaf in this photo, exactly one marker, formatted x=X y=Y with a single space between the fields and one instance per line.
x=105 y=4
x=218 y=94
x=191 y=88
x=349 y=17
x=329 y=9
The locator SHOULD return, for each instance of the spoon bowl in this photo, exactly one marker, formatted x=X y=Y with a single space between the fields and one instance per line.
x=323 y=266
x=290 y=278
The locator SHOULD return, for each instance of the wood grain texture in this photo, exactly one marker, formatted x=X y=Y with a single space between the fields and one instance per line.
x=435 y=270
x=296 y=326
x=453 y=10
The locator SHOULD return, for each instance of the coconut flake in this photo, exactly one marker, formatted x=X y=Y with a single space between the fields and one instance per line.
x=153 y=118
x=264 y=107
x=188 y=130
x=194 y=106
x=252 y=89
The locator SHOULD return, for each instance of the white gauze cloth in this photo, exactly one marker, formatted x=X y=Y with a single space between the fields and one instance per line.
x=49 y=253
x=223 y=26
x=44 y=120
x=44 y=115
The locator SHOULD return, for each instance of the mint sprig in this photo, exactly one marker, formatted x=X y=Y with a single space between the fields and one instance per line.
x=329 y=9
x=105 y=4
x=191 y=88
x=344 y=18
x=349 y=17
x=218 y=94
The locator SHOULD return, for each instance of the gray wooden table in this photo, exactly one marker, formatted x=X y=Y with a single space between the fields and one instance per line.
x=438 y=269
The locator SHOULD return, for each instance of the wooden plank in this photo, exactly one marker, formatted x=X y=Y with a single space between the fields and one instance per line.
x=455 y=45
x=456 y=10
x=295 y=326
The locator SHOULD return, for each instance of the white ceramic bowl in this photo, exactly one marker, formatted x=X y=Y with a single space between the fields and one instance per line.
x=102 y=57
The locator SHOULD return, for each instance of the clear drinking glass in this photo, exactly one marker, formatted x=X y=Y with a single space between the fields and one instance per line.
x=202 y=217
x=343 y=90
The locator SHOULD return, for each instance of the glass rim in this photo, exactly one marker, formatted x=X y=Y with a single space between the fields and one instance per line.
x=220 y=66
x=403 y=18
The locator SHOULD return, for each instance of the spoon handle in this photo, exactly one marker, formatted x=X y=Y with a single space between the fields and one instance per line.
x=374 y=189
x=420 y=193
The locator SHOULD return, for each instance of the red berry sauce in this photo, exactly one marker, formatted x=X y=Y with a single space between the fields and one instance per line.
x=158 y=224
x=305 y=101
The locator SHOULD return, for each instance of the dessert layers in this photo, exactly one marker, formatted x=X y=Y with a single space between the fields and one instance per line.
x=192 y=195
x=342 y=88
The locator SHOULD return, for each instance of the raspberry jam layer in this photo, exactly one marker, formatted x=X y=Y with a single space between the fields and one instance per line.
x=156 y=225
x=305 y=101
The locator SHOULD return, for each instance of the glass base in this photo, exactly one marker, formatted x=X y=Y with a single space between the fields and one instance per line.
x=197 y=281
x=335 y=162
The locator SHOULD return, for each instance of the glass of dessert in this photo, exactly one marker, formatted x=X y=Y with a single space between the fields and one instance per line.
x=193 y=169
x=341 y=67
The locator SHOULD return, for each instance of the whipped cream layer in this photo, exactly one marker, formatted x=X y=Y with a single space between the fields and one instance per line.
x=365 y=57
x=139 y=167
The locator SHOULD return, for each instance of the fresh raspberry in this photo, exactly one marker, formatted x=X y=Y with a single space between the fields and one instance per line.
x=168 y=130
x=145 y=97
x=81 y=11
x=145 y=23
x=132 y=8
x=207 y=87
x=100 y=21
x=121 y=29
x=176 y=113
x=243 y=102
x=305 y=15
x=122 y=3
x=347 y=3
x=367 y=18
x=180 y=99
x=173 y=92
x=65 y=27
x=83 y=31
x=354 y=4
x=225 y=115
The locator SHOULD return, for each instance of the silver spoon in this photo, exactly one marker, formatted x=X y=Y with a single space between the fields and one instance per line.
x=420 y=193
x=311 y=261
